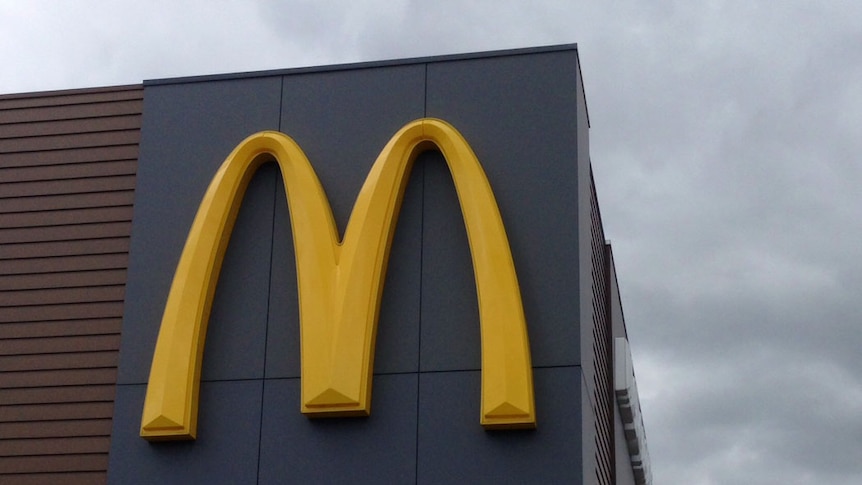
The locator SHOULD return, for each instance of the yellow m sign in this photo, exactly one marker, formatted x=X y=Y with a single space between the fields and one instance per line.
x=340 y=282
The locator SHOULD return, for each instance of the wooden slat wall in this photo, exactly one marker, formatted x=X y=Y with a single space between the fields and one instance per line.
x=67 y=178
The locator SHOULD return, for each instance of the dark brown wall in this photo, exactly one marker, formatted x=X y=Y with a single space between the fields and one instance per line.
x=67 y=177
x=598 y=368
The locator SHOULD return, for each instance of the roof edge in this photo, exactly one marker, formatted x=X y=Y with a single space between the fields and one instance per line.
x=73 y=91
x=364 y=64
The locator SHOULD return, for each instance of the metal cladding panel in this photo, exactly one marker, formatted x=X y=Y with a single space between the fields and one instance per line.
x=519 y=115
x=282 y=338
x=452 y=449
x=397 y=347
x=226 y=450
x=188 y=130
x=377 y=449
x=400 y=310
x=237 y=331
x=342 y=120
x=450 y=314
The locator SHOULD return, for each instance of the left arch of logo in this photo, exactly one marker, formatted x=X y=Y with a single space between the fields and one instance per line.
x=340 y=282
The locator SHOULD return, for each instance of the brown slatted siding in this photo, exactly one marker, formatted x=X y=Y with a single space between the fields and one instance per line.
x=600 y=368
x=67 y=176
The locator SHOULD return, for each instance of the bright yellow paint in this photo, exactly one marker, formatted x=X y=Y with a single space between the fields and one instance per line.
x=340 y=283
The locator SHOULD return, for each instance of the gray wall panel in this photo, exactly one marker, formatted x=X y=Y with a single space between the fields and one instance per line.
x=450 y=312
x=342 y=120
x=188 y=130
x=235 y=345
x=454 y=448
x=226 y=450
x=584 y=224
x=377 y=449
x=398 y=327
x=282 y=341
x=517 y=112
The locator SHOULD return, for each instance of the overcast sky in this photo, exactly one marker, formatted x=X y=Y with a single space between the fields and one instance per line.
x=726 y=141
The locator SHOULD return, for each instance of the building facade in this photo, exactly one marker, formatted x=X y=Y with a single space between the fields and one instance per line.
x=99 y=193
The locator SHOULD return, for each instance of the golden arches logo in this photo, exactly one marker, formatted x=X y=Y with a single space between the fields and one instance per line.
x=340 y=282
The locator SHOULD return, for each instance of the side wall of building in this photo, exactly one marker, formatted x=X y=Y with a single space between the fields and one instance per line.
x=67 y=177
x=597 y=351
